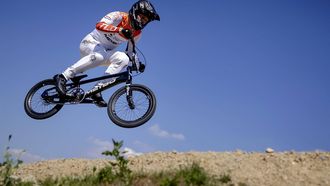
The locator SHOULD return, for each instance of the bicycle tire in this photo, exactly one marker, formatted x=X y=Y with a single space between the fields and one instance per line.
x=29 y=108
x=137 y=90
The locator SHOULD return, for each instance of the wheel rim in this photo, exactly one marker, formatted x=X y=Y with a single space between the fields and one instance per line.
x=40 y=105
x=123 y=111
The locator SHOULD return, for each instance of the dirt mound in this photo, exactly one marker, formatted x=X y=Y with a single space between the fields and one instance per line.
x=286 y=168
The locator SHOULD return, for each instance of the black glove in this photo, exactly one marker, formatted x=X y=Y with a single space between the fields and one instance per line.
x=127 y=33
x=142 y=67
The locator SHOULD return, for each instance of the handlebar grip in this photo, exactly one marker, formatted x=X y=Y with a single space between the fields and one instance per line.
x=142 y=67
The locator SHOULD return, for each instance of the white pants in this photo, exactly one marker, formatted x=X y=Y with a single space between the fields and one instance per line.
x=94 y=54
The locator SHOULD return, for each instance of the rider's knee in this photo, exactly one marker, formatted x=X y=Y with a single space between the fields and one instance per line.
x=121 y=58
x=96 y=57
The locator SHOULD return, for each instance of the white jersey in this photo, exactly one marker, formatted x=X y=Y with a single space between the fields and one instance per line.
x=107 y=30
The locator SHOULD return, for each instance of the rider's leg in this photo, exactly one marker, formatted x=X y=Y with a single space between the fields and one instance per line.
x=90 y=61
x=92 y=54
x=117 y=61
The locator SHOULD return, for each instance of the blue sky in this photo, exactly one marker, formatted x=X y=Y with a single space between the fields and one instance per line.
x=227 y=75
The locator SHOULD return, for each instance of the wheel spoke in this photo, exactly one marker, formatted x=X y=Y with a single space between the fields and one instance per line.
x=38 y=104
x=141 y=103
x=41 y=101
x=125 y=115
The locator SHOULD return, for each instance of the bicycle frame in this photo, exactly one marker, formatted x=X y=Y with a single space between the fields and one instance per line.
x=120 y=78
x=77 y=82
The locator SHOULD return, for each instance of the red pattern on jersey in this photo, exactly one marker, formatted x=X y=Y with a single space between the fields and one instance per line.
x=106 y=28
x=125 y=23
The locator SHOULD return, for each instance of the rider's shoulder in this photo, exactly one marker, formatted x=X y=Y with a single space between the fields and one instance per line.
x=116 y=15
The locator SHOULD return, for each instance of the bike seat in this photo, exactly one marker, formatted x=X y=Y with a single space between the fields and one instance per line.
x=76 y=79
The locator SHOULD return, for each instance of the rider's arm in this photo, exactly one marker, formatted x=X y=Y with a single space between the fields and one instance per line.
x=102 y=26
x=108 y=22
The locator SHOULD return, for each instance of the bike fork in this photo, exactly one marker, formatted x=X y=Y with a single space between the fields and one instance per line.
x=129 y=97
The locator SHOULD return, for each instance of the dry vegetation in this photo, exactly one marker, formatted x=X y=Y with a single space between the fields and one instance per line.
x=242 y=168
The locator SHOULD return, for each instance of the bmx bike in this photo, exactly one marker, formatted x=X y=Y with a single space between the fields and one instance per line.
x=130 y=106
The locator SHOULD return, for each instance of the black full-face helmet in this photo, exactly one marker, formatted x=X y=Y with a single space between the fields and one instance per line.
x=145 y=8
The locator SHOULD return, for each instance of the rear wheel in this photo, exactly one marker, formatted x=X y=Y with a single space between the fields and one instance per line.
x=41 y=101
x=130 y=112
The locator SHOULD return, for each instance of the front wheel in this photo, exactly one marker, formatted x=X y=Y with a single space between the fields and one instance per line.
x=133 y=109
x=41 y=101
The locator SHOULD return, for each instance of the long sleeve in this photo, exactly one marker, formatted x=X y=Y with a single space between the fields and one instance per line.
x=110 y=22
x=102 y=26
